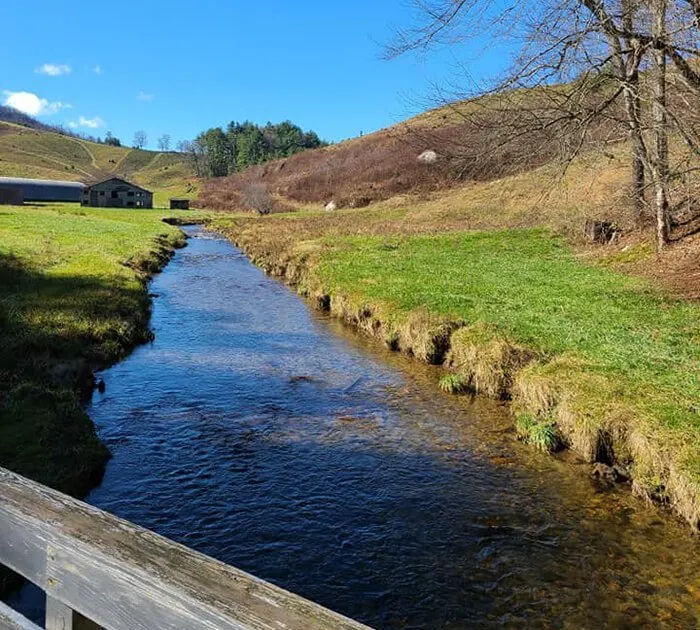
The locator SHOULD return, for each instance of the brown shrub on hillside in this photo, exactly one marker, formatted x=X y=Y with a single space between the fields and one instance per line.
x=257 y=197
x=358 y=172
x=475 y=141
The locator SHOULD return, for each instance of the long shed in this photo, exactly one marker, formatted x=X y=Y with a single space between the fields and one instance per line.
x=11 y=196
x=43 y=189
x=116 y=193
x=179 y=203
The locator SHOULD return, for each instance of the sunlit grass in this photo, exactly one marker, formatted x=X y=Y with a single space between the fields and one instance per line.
x=531 y=289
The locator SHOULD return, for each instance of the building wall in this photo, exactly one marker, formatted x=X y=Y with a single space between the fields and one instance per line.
x=43 y=189
x=11 y=196
x=116 y=194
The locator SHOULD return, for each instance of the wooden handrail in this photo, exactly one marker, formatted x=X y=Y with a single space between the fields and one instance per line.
x=94 y=566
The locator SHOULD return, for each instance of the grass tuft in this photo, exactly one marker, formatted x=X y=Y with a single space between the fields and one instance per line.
x=542 y=435
x=454 y=384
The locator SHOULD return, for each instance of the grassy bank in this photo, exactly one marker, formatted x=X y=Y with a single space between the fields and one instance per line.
x=73 y=297
x=592 y=359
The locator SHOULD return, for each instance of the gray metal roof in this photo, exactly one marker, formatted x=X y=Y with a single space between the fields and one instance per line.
x=123 y=181
x=22 y=181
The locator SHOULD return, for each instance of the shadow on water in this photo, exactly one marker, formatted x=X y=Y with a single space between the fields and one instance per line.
x=269 y=437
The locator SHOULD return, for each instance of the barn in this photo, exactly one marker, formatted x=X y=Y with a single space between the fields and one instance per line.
x=116 y=193
x=41 y=189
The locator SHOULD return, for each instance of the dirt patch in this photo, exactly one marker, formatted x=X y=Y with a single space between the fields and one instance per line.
x=678 y=268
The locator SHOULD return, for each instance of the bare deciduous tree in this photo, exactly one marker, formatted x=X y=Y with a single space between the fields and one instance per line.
x=195 y=153
x=140 y=139
x=164 y=142
x=587 y=71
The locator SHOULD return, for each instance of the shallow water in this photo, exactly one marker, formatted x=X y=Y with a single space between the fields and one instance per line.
x=270 y=437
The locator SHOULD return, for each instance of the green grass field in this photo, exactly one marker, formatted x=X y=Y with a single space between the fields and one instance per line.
x=72 y=297
x=532 y=289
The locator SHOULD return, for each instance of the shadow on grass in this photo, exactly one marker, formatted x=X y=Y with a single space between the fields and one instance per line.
x=53 y=332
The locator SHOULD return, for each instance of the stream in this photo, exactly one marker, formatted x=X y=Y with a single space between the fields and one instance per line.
x=271 y=437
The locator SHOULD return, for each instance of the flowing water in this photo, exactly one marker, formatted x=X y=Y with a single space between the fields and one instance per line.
x=268 y=436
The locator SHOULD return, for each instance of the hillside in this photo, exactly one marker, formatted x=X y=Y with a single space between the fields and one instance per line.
x=361 y=171
x=43 y=154
x=519 y=185
x=440 y=149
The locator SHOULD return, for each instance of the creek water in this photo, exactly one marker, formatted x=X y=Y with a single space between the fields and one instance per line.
x=270 y=437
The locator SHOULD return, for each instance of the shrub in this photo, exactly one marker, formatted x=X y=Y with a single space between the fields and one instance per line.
x=257 y=197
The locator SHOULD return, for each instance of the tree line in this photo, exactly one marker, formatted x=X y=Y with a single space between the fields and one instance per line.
x=218 y=152
x=590 y=69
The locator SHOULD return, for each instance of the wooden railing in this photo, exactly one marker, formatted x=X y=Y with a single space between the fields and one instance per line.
x=99 y=571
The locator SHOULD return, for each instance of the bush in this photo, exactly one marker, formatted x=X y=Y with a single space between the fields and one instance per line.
x=257 y=197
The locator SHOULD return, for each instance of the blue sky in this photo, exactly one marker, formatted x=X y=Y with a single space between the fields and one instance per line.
x=179 y=67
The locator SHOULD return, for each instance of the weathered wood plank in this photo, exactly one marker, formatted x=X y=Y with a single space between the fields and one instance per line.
x=61 y=617
x=58 y=615
x=124 y=577
x=11 y=620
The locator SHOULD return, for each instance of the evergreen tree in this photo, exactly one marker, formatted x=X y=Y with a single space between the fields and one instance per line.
x=246 y=144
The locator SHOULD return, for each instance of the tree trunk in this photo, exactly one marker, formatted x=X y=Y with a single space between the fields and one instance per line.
x=639 y=150
x=633 y=106
x=660 y=168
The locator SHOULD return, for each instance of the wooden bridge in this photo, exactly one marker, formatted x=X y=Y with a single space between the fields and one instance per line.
x=99 y=571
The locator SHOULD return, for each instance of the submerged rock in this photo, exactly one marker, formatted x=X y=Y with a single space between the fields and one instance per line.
x=611 y=474
x=301 y=378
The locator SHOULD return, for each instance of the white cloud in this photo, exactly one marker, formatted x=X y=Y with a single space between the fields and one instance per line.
x=31 y=104
x=97 y=69
x=144 y=96
x=54 y=69
x=90 y=123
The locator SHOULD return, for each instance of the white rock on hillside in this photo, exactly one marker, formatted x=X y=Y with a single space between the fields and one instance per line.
x=428 y=157
x=330 y=206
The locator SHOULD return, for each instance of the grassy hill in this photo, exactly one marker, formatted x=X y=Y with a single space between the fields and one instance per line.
x=43 y=154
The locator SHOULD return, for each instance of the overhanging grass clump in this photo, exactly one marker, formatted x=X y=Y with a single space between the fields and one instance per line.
x=484 y=360
x=72 y=298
